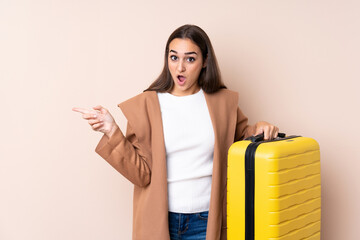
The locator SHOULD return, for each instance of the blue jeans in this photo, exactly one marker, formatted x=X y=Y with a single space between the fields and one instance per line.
x=188 y=226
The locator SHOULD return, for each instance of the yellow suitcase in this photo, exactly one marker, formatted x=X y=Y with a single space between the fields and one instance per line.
x=274 y=189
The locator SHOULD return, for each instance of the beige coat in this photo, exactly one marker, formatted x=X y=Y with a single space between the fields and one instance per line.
x=141 y=158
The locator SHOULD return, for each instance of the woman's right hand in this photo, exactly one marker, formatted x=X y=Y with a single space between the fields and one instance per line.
x=100 y=119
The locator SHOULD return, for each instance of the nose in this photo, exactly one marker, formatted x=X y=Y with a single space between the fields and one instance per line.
x=181 y=66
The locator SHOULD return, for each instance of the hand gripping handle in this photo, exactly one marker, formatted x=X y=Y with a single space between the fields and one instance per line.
x=260 y=137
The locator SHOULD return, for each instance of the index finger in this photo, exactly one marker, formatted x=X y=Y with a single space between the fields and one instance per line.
x=81 y=110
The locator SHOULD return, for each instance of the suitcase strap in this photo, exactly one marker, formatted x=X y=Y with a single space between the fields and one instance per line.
x=249 y=189
x=250 y=179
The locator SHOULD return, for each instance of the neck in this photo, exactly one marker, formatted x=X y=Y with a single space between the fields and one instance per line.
x=185 y=92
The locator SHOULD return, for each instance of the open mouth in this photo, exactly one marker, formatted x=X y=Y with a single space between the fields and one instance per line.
x=181 y=79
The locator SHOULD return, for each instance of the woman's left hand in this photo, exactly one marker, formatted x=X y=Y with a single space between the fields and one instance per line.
x=270 y=131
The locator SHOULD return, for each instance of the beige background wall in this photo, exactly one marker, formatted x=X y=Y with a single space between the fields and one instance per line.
x=294 y=63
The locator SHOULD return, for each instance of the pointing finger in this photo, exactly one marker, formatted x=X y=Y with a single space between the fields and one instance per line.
x=82 y=110
x=85 y=111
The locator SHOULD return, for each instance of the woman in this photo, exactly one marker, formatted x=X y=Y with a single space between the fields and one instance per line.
x=175 y=149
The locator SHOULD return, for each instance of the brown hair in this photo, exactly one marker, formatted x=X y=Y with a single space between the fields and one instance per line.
x=209 y=78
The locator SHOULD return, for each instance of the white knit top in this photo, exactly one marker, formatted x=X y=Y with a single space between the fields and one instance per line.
x=189 y=142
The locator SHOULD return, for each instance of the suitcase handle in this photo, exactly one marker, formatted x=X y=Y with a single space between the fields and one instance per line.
x=260 y=137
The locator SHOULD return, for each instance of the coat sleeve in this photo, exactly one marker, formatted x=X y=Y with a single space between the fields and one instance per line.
x=242 y=126
x=125 y=155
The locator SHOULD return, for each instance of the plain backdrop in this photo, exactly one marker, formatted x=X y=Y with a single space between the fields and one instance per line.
x=295 y=63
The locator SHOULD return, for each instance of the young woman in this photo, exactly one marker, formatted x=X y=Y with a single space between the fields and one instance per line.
x=175 y=147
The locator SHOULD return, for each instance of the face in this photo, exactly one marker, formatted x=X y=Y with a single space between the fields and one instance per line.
x=185 y=62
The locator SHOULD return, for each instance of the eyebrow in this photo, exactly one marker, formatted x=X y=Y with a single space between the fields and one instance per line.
x=187 y=53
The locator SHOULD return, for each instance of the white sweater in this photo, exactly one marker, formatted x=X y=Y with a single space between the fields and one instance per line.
x=189 y=142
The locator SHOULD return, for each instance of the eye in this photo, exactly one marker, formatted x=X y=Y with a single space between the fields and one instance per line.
x=191 y=59
x=173 y=57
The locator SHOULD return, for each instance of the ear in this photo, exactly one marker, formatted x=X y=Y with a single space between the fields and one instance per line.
x=205 y=62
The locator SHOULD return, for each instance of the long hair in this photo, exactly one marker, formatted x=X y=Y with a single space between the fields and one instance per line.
x=209 y=78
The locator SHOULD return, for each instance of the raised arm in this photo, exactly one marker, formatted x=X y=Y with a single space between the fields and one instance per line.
x=124 y=153
x=126 y=156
